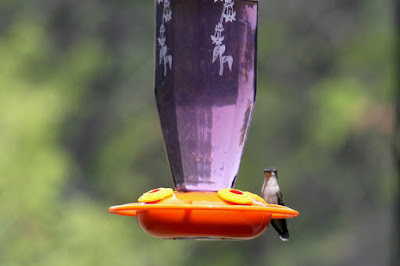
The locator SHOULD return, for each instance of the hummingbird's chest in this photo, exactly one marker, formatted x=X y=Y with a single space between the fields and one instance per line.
x=270 y=191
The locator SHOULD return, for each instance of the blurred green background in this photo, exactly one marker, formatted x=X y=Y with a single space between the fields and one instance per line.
x=79 y=132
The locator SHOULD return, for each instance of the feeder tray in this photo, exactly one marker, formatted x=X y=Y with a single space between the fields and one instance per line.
x=203 y=215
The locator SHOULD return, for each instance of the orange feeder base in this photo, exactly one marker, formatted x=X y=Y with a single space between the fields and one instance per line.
x=203 y=215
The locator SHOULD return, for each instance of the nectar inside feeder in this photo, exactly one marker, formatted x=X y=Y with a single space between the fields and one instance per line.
x=205 y=90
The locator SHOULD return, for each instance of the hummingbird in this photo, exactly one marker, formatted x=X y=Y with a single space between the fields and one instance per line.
x=271 y=193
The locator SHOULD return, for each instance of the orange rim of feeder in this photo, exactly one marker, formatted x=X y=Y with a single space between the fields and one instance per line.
x=203 y=215
x=202 y=201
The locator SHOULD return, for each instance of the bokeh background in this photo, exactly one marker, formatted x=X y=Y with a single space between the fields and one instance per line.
x=79 y=132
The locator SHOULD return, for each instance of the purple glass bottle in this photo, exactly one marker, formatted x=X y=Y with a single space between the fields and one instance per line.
x=205 y=87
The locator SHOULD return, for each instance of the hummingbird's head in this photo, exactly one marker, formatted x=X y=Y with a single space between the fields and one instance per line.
x=270 y=171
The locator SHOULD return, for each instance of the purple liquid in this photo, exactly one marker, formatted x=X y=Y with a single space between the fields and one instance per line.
x=205 y=87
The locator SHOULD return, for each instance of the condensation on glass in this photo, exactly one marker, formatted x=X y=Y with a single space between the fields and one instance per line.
x=205 y=87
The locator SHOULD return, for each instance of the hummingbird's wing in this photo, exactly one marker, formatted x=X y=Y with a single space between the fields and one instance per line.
x=280 y=224
x=280 y=199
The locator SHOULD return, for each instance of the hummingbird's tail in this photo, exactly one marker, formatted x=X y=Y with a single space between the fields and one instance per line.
x=281 y=227
x=283 y=239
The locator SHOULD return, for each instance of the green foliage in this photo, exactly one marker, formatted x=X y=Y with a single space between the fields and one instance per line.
x=339 y=105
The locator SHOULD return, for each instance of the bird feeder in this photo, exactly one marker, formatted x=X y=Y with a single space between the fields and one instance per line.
x=205 y=88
